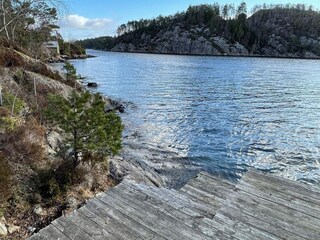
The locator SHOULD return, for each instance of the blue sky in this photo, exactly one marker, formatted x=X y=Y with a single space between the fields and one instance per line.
x=92 y=18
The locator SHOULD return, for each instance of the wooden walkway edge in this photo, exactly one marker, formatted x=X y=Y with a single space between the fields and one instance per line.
x=259 y=206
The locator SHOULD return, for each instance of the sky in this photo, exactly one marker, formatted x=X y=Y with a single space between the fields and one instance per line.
x=94 y=18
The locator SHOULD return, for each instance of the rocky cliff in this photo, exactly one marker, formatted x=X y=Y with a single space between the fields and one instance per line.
x=276 y=32
x=196 y=41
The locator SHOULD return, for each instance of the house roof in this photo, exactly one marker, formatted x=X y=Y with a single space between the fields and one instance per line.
x=52 y=44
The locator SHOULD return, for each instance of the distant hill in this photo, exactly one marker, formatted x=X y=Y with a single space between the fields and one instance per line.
x=271 y=30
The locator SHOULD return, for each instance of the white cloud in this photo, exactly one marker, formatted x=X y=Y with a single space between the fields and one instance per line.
x=79 y=22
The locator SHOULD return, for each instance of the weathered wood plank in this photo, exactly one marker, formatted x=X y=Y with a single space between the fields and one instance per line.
x=242 y=230
x=90 y=227
x=121 y=232
x=310 y=190
x=70 y=230
x=213 y=224
x=259 y=207
x=124 y=221
x=37 y=236
x=140 y=216
x=277 y=219
x=162 y=217
x=51 y=232
x=195 y=222
x=237 y=216
x=182 y=201
x=203 y=194
x=217 y=180
x=284 y=187
x=206 y=184
x=291 y=215
x=285 y=201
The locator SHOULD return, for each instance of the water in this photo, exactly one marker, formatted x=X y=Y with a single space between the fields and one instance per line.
x=225 y=114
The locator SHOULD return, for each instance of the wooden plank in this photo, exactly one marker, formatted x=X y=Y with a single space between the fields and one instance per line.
x=205 y=184
x=123 y=220
x=310 y=190
x=51 y=232
x=140 y=216
x=195 y=222
x=277 y=219
x=237 y=216
x=113 y=227
x=203 y=194
x=37 y=236
x=182 y=201
x=216 y=180
x=213 y=224
x=285 y=201
x=70 y=230
x=242 y=230
x=162 y=217
x=257 y=202
x=90 y=227
x=283 y=187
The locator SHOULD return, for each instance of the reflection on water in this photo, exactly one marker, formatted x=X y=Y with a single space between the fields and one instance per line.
x=224 y=113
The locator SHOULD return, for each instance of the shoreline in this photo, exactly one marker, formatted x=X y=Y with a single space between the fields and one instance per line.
x=210 y=55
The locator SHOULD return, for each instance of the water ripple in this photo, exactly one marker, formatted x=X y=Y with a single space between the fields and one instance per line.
x=225 y=114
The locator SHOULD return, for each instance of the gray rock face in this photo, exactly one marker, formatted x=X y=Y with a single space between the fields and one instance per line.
x=196 y=41
x=281 y=42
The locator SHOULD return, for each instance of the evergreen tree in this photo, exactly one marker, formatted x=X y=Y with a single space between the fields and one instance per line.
x=71 y=72
x=91 y=133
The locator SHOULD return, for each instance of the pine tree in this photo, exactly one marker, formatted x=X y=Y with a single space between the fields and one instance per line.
x=71 y=72
x=91 y=133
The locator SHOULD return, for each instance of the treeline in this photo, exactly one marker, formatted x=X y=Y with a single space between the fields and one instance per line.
x=207 y=14
x=235 y=23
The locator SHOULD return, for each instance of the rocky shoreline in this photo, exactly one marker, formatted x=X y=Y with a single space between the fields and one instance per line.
x=139 y=161
x=63 y=58
x=198 y=42
x=219 y=55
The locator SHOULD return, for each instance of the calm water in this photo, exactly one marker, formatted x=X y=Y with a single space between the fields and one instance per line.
x=225 y=114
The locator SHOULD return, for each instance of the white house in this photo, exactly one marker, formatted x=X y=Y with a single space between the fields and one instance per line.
x=53 y=46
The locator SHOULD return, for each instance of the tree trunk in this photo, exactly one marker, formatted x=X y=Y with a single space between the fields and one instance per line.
x=5 y=25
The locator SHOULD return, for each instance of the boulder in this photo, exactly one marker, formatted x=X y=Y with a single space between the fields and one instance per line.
x=12 y=228
x=39 y=211
x=111 y=105
x=92 y=85
x=3 y=228
x=73 y=203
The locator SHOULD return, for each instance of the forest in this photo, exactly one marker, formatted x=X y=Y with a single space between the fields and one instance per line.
x=251 y=28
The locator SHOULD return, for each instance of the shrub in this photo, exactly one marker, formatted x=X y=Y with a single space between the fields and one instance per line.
x=53 y=183
x=9 y=123
x=24 y=144
x=12 y=102
x=46 y=184
x=10 y=58
x=4 y=112
x=5 y=179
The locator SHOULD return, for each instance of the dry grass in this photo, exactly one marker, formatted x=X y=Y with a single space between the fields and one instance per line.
x=25 y=144
x=9 y=44
x=10 y=58
x=5 y=180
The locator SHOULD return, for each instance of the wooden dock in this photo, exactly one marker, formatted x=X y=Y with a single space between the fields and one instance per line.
x=258 y=207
